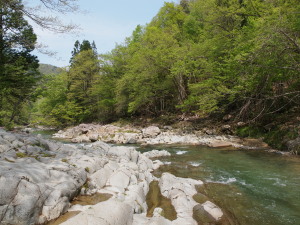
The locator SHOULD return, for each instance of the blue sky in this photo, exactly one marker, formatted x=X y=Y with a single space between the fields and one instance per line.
x=106 y=22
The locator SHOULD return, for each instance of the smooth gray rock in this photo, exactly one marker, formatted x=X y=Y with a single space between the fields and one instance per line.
x=111 y=212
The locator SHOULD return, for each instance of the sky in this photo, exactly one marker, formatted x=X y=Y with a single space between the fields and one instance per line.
x=105 y=22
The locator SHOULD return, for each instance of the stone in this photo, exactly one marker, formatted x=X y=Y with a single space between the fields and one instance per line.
x=141 y=219
x=200 y=198
x=111 y=212
x=41 y=187
x=119 y=179
x=181 y=192
x=213 y=210
x=225 y=127
x=240 y=124
x=99 y=178
x=209 y=131
x=151 y=132
x=156 y=153
x=4 y=148
x=227 y=117
x=93 y=137
x=294 y=146
x=202 y=216
x=219 y=144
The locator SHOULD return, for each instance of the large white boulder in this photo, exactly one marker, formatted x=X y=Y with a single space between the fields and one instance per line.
x=111 y=212
x=180 y=191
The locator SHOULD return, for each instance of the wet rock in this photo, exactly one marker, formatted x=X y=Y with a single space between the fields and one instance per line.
x=213 y=210
x=200 y=198
x=220 y=144
x=180 y=191
x=202 y=216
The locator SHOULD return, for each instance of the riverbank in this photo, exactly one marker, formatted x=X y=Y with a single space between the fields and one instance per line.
x=44 y=176
x=154 y=135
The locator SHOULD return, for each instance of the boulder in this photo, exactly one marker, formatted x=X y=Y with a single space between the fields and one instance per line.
x=219 y=144
x=156 y=153
x=119 y=179
x=111 y=212
x=98 y=179
x=181 y=192
x=207 y=212
x=93 y=137
x=151 y=132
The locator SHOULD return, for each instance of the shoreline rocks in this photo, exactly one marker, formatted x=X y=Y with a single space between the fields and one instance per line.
x=39 y=178
x=151 y=135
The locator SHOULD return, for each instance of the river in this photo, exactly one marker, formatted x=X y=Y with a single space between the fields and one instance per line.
x=253 y=187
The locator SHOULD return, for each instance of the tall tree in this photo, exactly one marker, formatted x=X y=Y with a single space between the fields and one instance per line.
x=84 y=70
x=18 y=68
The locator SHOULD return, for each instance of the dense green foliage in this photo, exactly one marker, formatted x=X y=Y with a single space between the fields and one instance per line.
x=198 y=57
x=69 y=97
x=18 y=68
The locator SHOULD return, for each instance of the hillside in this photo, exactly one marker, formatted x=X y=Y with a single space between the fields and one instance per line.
x=49 y=69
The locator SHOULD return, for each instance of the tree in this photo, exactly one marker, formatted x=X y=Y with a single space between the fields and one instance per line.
x=18 y=68
x=147 y=86
x=84 y=46
x=37 y=10
x=83 y=73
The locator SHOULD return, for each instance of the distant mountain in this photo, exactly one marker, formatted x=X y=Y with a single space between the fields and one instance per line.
x=49 y=69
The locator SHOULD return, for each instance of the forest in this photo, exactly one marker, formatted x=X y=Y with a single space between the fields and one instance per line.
x=197 y=58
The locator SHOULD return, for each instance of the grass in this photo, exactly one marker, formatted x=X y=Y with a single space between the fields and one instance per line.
x=21 y=155
x=64 y=160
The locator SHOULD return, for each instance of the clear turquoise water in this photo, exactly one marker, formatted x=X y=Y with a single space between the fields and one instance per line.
x=254 y=187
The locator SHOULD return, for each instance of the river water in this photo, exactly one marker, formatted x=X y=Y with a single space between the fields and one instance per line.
x=253 y=187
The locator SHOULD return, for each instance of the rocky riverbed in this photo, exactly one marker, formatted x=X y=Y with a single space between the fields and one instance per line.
x=39 y=178
x=153 y=135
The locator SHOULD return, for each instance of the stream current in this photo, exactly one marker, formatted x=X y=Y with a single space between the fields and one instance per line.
x=254 y=187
